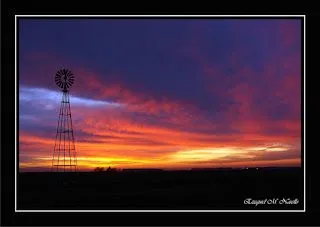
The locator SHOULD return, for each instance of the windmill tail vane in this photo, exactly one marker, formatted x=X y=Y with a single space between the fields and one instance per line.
x=64 y=158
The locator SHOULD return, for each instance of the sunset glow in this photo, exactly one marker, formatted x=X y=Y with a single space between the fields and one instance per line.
x=169 y=94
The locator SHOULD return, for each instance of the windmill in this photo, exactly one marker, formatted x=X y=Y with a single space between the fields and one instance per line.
x=64 y=153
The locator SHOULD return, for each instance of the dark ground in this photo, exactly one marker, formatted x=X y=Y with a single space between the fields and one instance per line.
x=215 y=190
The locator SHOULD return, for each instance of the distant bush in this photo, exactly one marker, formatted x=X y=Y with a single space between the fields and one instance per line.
x=101 y=169
x=98 y=169
x=109 y=169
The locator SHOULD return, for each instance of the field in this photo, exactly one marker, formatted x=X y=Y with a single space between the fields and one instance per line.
x=202 y=189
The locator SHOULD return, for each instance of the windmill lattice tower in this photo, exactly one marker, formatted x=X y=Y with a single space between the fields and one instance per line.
x=64 y=153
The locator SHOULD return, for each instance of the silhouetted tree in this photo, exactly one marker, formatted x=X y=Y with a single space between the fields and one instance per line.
x=99 y=169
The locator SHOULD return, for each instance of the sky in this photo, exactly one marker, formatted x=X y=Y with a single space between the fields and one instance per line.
x=163 y=93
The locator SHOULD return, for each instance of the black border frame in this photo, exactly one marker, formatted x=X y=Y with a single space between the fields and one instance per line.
x=9 y=217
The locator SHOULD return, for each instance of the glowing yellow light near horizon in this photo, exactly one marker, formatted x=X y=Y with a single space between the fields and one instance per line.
x=99 y=161
x=205 y=154
x=255 y=148
x=276 y=149
x=178 y=158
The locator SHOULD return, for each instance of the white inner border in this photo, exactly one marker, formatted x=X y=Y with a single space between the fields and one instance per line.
x=304 y=148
